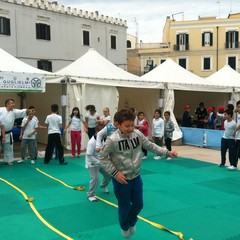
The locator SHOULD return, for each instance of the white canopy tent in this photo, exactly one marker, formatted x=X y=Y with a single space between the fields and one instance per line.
x=92 y=79
x=227 y=78
x=17 y=76
x=174 y=77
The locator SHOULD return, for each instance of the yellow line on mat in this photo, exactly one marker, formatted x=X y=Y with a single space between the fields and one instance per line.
x=66 y=185
x=30 y=200
x=178 y=234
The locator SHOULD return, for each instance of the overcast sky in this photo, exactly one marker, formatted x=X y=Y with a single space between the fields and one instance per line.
x=150 y=15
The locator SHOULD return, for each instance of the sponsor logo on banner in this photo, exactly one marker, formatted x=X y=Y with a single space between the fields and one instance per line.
x=22 y=82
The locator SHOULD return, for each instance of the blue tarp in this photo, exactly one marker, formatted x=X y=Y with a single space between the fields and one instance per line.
x=202 y=137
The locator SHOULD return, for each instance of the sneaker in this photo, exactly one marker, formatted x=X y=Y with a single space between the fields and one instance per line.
x=221 y=165
x=92 y=199
x=232 y=168
x=63 y=163
x=169 y=158
x=133 y=229
x=106 y=190
x=126 y=234
x=157 y=157
x=20 y=161
x=145 y=157
x=32 y=162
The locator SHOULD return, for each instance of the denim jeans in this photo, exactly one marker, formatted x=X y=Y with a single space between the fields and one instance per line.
x=130 y=201
x=228 y=144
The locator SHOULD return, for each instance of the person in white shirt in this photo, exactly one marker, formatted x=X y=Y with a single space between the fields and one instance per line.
x=228 y=140
x=9 y=114
x=236 y=134
x=75 y=120
x=28 y=136
x=106 y=118
x=158 y=130
x=93 y=165
x=54 y=123
x=91 y=120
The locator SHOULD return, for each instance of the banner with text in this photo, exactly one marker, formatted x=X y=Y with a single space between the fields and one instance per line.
x=21 y=82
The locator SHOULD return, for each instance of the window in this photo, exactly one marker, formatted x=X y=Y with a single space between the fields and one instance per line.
x=45 y=65
x=43 y=31
x=232 y=62
x=206 y=63
x=113 y=42
x=207 y=39
x=182 y=62
x=182 y=42
x=86 y=38
x=232 y=39
x=4 y=26
x=149 y=65
x=129 y=44
x=162 y=61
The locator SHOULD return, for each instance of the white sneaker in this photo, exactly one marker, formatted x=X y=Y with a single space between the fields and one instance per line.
x=157 y=157
x=169 y=158
x=126 y=234
x=133 y=229
x=92 y=199
x=20 y=161
x=232 y=168
x=32 y=162
x=144 y=157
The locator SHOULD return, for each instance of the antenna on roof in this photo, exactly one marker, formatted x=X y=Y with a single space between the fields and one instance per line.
x=218 y=2
x=137 y=28
x=177 y=14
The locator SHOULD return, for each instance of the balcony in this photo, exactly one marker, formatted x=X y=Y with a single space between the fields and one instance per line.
x=180 y=47
x=231 y=45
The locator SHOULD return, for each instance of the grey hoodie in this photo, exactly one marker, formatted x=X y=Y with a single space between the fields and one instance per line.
x=123 y=153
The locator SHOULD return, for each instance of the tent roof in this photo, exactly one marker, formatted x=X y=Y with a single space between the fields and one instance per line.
x=93 y=68
x=226 y=76
x=176 y=77
x=9 y=63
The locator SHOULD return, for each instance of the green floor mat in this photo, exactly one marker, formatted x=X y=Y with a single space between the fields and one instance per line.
x=196 y=198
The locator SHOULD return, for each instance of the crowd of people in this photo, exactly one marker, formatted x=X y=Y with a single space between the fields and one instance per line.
x=226 y=119
x=210 y=118
x=116 y=147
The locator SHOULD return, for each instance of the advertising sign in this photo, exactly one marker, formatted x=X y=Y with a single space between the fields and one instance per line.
x=21 y=82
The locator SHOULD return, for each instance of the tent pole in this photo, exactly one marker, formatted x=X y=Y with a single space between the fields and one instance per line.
x=64 y=92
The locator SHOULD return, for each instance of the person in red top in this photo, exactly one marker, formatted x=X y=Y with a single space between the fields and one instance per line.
x=142 y=125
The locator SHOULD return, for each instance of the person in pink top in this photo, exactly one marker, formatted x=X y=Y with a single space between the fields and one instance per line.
x=142 y=125
x=75 y=123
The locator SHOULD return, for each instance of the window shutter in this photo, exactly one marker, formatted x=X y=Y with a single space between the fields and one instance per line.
x=203 y=38
x=38 y=34
x=48 y=33
x=236 y=36
x=227 y=37
x=211 y=38
x=177 y=39
x=8 y=31
x=187 y=39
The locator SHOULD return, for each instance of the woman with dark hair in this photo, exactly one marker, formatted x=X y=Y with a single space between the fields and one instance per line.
x=74 y=121
x=201 y=113
x=91 y=120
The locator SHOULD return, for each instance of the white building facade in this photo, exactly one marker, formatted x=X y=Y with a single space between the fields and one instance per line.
x=50 y=36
